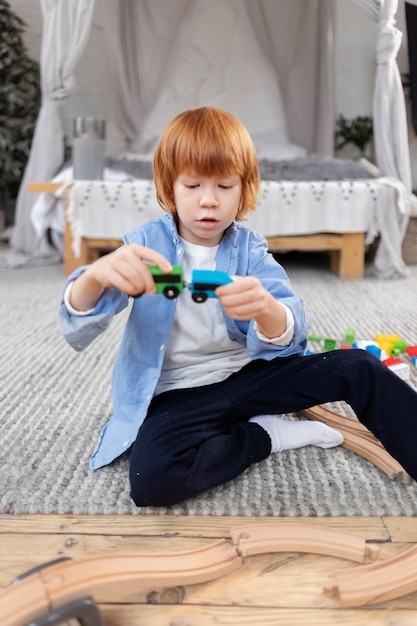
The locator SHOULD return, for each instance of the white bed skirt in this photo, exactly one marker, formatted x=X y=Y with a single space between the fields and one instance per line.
x=109 y=208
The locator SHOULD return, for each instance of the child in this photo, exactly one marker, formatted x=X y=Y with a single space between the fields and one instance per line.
x=196 y=387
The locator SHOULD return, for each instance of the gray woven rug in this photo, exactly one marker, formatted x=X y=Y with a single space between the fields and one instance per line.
x=53 y=403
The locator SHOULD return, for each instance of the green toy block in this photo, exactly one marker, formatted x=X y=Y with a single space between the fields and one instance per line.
x=350 y=336
x=399 y=345
x=330 y=344
x=314 y=337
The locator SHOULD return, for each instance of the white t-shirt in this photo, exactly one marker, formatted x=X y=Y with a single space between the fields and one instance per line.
x=200 y=351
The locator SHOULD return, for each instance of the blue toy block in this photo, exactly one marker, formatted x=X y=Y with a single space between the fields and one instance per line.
x=376 y=350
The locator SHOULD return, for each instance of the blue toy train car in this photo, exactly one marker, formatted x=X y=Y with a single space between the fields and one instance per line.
x=205 y=282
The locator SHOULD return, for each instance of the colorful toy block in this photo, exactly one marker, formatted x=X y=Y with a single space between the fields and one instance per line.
x=387 y=342
x=330 y=344
x=387 y=338
x=398 y=367
x=350 y=336
x=399 y=345
x=376 y=350
x=313 y=337
x=363 y=343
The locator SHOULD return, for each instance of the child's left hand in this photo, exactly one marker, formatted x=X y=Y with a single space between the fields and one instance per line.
x=243 y=299
x=246 y=299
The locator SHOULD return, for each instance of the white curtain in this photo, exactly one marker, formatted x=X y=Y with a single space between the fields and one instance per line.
x=168 y=55
x=66 y=26
x=139 y=44
x=390 y=132
x=298 y=37
x=389 y=112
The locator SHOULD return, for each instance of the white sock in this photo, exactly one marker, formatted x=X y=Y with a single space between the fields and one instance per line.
x=286 y=434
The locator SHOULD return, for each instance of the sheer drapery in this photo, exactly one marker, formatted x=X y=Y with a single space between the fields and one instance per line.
x=389 y=113
x=66 y=26
x=390 y=131
x=199 y=53
x=139 y=38
x=298 y=38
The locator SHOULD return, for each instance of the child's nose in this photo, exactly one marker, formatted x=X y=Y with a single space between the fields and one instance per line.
x=208 y=199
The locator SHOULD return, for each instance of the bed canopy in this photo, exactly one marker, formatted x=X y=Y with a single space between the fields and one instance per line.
x=269 y=61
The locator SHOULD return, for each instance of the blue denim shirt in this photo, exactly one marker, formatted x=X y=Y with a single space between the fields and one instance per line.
x=140 y=356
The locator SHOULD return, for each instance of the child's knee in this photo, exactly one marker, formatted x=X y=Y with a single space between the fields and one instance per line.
x=152 y=487
x=146 y=491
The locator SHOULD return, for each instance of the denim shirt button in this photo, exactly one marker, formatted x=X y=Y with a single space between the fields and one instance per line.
x=125 y=444
x=162 y=347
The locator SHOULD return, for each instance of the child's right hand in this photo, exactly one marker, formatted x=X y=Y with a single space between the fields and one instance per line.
x=125 y=268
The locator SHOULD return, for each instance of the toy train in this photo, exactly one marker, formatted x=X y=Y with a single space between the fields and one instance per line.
x=203 y=282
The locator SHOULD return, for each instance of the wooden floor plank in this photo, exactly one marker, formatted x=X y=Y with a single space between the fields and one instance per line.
x=401 y=528
x=202 y=526
x=233 y=616
x=285 y=587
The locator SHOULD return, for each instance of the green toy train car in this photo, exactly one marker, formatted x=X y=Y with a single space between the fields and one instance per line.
x=170 y=285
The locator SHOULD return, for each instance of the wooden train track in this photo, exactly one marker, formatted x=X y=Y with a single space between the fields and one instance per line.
x=53 y=588
x=65 y=589
x=378 y=582
x=360 y=440
x=293 y=537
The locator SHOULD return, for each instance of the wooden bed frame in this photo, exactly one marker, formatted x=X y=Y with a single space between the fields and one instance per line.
x=347 y=250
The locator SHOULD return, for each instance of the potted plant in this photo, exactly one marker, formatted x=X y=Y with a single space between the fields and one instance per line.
x=20 y=99
x=357 y=131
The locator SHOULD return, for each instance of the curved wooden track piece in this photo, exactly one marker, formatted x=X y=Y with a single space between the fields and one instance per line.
x=50 y=587
x=377 y=582
x=360 y=440
x=293 y=537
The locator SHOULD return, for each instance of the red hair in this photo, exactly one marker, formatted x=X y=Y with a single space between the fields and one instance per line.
x=211 y=142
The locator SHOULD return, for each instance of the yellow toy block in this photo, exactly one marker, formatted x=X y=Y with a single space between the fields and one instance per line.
x=386 y=342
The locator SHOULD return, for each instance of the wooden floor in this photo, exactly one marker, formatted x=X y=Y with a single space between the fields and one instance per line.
x=269 y=589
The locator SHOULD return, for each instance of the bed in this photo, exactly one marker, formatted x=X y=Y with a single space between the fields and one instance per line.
x=307 y=202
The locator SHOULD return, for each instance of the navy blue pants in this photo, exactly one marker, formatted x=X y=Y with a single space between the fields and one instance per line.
x=194 y=439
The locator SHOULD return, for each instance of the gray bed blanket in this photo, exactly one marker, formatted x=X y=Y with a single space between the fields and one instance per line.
x=313 y=167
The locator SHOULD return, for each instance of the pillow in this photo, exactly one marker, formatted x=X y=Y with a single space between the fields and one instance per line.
x=269 y=145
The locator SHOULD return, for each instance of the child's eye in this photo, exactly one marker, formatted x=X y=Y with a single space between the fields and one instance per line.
x=225 y=186
x=191 y=185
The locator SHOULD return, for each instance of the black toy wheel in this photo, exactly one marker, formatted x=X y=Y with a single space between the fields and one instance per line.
x=171 y=293
x=199 y=296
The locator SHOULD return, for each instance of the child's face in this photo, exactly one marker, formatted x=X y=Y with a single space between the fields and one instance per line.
x=206 y=206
